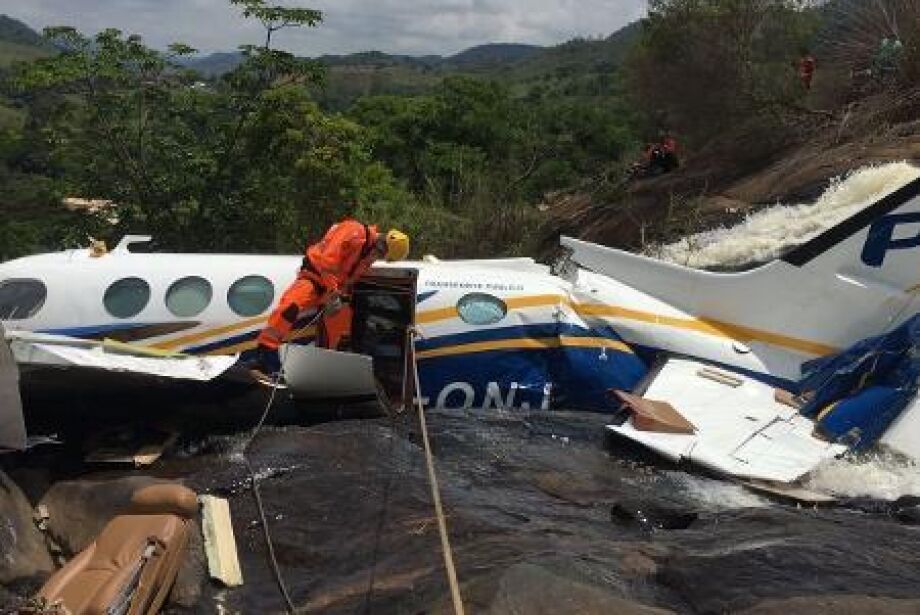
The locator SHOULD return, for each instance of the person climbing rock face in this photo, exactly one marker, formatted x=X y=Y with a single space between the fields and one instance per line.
x=330 y=268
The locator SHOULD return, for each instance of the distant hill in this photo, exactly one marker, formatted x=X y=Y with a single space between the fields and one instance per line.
x=14 y=31
x=215 y=64
x=476 y=58
x=581 y=67
x=19 y=42
x=493 y=54
x=380 y=59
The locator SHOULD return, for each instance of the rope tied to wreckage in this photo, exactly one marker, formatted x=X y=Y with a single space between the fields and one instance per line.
x=436 y=491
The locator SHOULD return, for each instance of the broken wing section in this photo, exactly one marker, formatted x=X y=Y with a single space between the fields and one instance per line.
x=739 y=428
x=12 y=425
x=32 y=350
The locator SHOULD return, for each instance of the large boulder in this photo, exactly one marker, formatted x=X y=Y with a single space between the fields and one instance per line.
x=23 y=553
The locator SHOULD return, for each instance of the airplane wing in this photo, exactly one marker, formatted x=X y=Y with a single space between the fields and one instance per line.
x=738 y=427
x=32 y=350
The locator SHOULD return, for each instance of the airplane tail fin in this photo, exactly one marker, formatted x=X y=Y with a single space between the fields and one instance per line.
x=855 y=280
x=879 y=245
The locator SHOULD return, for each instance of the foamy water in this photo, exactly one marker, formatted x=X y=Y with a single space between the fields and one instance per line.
x=768 y=233
x=879 y=476
x=712 y=494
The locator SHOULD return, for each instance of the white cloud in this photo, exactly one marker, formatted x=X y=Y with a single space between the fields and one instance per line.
x=394 y=26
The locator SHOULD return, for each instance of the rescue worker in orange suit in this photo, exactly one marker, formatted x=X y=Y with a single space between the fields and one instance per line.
x=329 y=270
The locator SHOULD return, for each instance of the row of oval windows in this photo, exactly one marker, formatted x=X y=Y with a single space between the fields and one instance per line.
x=190 y=296
x=126 y=298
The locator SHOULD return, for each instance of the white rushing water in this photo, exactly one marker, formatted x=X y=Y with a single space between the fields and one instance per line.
x=766 y=234
x=877 y=476
x=715 y=495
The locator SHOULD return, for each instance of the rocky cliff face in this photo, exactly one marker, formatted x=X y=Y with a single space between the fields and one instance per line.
x=719 y=184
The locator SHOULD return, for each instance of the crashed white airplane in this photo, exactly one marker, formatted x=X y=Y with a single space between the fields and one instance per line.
x=703 y=353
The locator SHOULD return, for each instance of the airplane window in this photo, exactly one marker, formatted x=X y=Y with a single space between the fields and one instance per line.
x=250 y=296
x=481 y=309
x=21 y=299
x=189 y=296
x=127 y=297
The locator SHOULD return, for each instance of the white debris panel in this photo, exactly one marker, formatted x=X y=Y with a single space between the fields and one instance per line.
x=60 y=351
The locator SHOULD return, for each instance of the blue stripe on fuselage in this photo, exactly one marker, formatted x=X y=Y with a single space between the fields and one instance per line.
x=93 y=330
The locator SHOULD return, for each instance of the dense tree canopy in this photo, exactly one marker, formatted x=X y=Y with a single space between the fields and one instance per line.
x=250 y=162
x=265 y=156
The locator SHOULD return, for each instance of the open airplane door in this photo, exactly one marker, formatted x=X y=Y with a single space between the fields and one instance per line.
x=12 y=425
x=374 y=358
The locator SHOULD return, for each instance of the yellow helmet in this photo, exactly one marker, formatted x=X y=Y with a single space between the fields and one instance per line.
x=397 y=245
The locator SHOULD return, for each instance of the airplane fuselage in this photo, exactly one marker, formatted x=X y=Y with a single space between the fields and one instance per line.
x=502 y=333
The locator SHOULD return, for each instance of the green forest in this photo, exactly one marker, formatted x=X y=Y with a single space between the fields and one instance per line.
x=260 y=150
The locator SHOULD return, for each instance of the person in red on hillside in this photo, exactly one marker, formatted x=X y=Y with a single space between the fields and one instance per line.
x=806 y=67
x=668 y=147
x=330 y=268
x=657 y=158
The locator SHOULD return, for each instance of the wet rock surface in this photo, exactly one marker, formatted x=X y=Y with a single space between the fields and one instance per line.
x=23 y=555
x=544 y=518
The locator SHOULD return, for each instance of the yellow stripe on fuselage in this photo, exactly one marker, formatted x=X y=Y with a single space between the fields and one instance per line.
x=542 y=343
x=706 y=326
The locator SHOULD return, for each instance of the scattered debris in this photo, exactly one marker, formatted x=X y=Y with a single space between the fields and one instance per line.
x=138 y=447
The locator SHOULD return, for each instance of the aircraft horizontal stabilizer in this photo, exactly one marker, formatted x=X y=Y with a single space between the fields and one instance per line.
x=740 y=428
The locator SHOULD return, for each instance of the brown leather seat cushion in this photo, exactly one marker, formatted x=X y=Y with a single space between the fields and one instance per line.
x=95 y=578
x=166 y=498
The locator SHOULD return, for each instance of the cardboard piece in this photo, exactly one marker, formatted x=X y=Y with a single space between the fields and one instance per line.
x=657 y=416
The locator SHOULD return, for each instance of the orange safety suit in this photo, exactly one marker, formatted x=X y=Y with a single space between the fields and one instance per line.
x=329 y=268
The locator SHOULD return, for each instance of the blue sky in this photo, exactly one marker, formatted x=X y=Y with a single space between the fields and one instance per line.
x=395 y=26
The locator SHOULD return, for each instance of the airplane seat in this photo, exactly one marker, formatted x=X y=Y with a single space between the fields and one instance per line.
x=130 y=567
